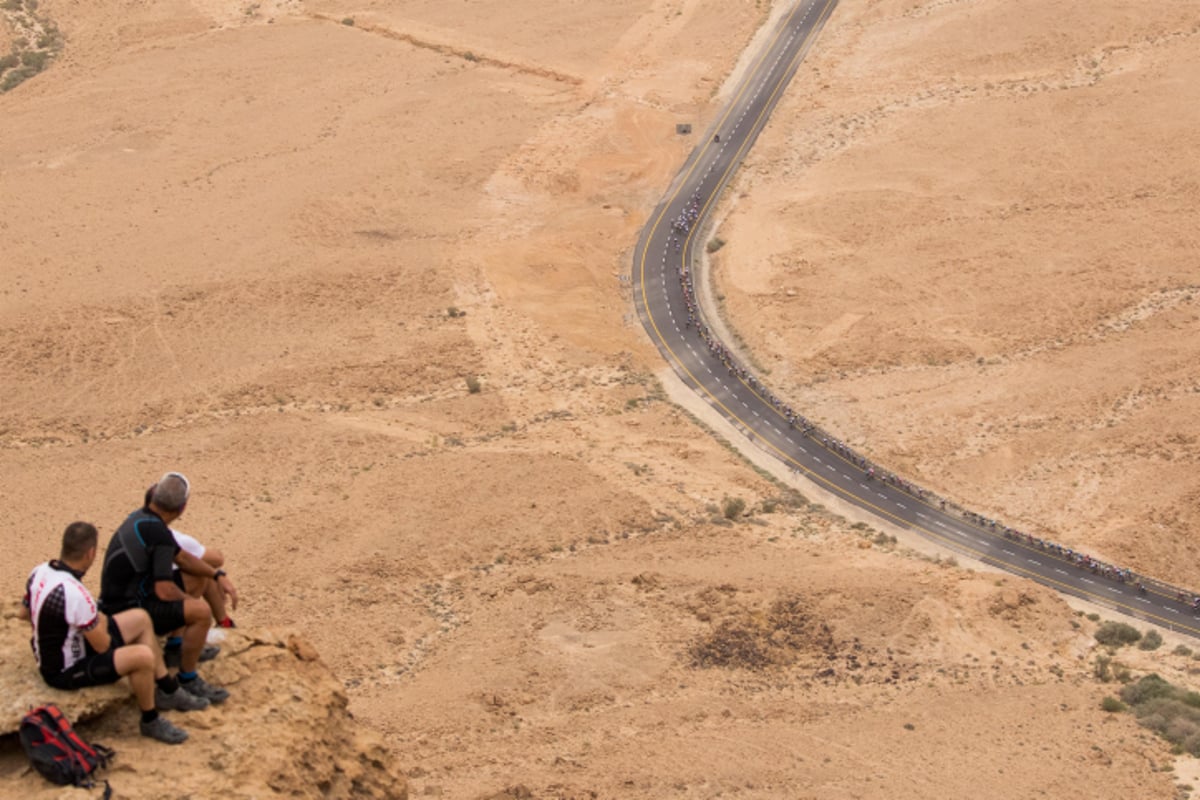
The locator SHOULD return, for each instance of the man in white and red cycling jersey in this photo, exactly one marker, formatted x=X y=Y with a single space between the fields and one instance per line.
x=78 y=646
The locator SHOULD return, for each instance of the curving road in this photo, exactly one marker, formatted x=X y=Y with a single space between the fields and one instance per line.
x=666 y=303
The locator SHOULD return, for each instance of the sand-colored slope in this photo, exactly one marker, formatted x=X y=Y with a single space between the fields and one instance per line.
x=269 y=249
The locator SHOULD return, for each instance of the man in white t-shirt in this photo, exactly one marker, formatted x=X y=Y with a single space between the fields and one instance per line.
x=76 y=645
x=213 y=593
x=209 y=590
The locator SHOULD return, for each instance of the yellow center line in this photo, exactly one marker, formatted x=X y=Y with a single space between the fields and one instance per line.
x=953 y=544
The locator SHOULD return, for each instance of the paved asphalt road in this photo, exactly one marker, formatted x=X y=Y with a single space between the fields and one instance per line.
x=663 y=291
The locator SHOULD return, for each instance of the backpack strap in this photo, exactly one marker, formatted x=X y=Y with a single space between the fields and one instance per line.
x=64 y=728
x=105 y=755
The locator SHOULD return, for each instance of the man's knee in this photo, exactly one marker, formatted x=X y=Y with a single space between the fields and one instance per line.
x=196 y=610
x=132 y=622
x=133 y=658
x=195 y=586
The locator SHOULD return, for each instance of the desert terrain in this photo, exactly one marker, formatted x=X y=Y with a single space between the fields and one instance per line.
x=971 y=248
x=355 y=268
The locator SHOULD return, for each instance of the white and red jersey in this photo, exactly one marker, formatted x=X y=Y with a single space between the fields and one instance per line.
x=61 y=610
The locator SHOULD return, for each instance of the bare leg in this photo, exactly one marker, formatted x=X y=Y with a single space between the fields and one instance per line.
x=216 y=600
x=197 y=618
x=136 y=628
x=137 y=662
x=207 y=589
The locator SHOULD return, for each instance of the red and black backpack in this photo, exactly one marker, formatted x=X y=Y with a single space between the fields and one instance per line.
x=57 y=751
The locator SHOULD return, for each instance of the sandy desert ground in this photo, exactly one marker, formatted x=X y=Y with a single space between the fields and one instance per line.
x=276 y=244
x=971 y=248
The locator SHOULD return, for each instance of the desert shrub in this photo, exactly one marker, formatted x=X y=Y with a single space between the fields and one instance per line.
x=714 y=244
x=1182 y=650
x=1148 y=688
x=349 y=21
x=1191 y=746
x=15 y=77
x=35 y=59
x=1094 y=617
x=1171 y=719
x=1181 y=728
x=1103 y=668
x=733 y=507
x=1112 y=704
x=9 y=61
x=793 y=499
x=1171 y=712
x=1116 y=634
x=1151 y=640
x=473 y=384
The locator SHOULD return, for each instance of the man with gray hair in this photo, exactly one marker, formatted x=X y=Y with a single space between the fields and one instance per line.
x=137 y=573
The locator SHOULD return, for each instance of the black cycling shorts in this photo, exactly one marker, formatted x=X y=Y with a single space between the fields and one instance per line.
x=94 y=669
x=167 y=615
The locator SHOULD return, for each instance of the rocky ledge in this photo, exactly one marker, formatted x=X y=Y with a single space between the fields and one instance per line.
x=286 y=730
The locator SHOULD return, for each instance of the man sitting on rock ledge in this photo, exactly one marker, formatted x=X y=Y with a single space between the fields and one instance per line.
x=76 y=646
x=137 y=573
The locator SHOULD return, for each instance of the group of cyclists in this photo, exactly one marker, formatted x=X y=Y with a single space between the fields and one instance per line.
x=681 y=227
x=1078 y=559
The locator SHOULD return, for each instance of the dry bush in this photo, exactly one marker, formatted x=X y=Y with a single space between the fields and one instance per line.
x=1171 y=712
x=1116 y=634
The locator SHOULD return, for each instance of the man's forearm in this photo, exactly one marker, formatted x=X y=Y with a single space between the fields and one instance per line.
x=167 y=591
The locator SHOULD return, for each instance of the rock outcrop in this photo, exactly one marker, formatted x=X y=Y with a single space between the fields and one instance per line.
x=286 y=730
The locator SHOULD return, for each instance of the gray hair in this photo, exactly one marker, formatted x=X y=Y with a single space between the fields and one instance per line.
x=171 y=492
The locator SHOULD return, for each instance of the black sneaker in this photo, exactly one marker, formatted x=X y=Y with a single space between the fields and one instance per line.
x=201 y=688
x=173 y=656
x=178 y=701
x=164 y=731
